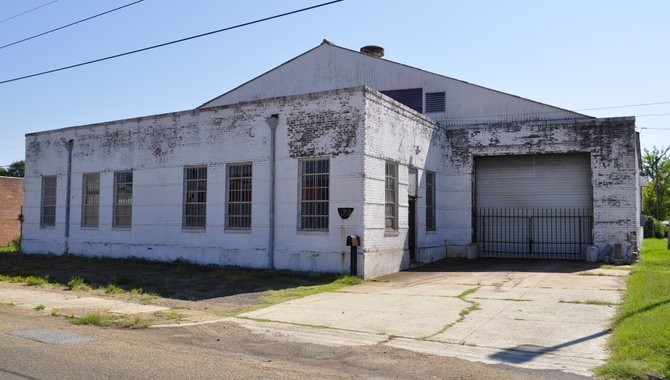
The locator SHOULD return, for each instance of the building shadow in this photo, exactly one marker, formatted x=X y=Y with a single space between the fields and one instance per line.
x=528 y=352
x=507 y=265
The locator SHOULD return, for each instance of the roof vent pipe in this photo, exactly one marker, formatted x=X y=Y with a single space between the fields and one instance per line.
x=373 y=50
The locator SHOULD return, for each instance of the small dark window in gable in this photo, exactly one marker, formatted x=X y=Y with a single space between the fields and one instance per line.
x=410 y=97
x=435 y=102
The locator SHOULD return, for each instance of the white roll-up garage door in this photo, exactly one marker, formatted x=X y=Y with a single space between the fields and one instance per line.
x=533 y=205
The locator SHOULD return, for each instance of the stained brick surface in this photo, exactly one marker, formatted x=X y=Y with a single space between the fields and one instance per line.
x=11 y=201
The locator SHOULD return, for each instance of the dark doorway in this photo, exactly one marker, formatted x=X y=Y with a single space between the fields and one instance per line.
x=411 y=229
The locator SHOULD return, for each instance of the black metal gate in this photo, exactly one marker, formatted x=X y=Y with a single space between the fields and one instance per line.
x=534 y=233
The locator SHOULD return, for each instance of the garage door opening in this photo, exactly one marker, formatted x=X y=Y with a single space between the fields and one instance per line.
x=533 y=206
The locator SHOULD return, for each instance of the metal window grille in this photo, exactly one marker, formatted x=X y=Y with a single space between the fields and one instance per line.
x=239 y=196
x=314 y=194
x=391 y=198
x=91 y=201
x=435 y=102
x=430 y=201
x=48 y=215
x=123 y=199
x=195 y=197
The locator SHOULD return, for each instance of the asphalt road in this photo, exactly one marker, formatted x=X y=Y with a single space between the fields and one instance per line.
x=221 y=350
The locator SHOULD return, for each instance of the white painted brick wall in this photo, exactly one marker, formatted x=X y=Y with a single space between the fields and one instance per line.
x=158 y=147
x=359 y=129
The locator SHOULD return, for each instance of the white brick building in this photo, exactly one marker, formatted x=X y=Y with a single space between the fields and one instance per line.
x=255 y=177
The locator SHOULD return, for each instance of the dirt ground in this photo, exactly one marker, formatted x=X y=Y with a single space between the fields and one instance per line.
x=220 y=290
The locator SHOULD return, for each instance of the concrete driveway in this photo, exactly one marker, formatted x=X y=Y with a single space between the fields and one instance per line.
x=533 y=314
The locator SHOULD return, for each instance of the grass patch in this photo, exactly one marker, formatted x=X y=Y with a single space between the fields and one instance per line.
x=9 y=249
x=36 y=280
x=107 y=320
x=6 y=304
x=40 y=307
x=113 y=289
x=592 y=302
x=139 y=280
x=615 y=267
x=467 y=292
x=641 y=331
x=282 y=295
x=169 y=314
x=78 y=283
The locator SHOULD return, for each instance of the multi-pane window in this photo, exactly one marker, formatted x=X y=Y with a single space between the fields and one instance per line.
x=430 y=201
x=91 y=200
x=48 y=214
x=391 y=196
x=195 y=197
x=123 y=199
x=239 y=196
x=314 y=187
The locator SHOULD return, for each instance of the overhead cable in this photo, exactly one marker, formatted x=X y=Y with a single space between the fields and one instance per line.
x=69 y=25
x=170 y=42
x=28 y=11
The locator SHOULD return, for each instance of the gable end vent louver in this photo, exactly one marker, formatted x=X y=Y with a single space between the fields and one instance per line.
x=435 y=102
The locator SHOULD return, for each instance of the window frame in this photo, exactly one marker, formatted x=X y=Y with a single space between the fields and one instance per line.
x=393 y=203
x=115 y=203
x=43 y=205
x=186 y=202
x=229 y=202
x=431 y=224
x=85 y=205
x=320 y=218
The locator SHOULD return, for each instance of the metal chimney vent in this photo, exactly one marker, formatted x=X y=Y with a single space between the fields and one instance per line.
x=373 y=50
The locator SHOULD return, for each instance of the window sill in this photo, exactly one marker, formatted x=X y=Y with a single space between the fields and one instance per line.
x=47 y=227
x=391 y=233
x=89 y=227
x=194 y=230
x=244 y=231
x=312 y=232
x=121 y=228
x=431 y=232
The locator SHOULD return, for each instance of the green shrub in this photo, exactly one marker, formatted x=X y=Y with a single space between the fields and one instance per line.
x=37 y=280
x=113 y=289
x=654 y=229
x=660 y=230
x=77 y=283
x=15 y=244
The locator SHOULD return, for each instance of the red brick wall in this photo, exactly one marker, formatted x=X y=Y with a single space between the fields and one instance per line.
x=11 y=200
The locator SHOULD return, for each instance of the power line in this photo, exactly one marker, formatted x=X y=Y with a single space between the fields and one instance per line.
x=653 y=114
x=658 y=129
x=624 y=106
x=171 y=42
x=28 y=11
x=70 y=24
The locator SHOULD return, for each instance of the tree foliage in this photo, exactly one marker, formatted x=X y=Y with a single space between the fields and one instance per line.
x=656 y=196
x=15 y=169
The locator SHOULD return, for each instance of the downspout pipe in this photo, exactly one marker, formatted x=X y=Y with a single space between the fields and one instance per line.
x=68 y=189
x=272 y=121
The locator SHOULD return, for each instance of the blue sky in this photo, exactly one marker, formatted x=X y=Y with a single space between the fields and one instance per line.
x=569 y=53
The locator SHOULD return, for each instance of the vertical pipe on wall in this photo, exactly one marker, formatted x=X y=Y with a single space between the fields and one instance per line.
x=69 y=146
x=272 y=121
